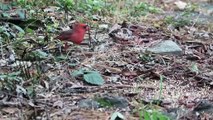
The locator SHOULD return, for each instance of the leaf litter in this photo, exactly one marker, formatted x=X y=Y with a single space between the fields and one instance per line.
x=128 y=70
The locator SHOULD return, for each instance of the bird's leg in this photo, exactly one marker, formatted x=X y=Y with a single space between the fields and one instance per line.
x=59 y=48
x=82 y=51
x=66 y=46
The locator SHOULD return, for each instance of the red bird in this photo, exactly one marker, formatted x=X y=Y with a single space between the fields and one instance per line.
x=76 y=35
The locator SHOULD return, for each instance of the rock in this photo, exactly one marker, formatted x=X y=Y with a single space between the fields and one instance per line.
x=115 y=101
x=181 y=5
x=166 y=47
x=104 y=26
x=203 y=19
x=88 y=103
x=206 y=9
x=204 y=106
x=173 y=113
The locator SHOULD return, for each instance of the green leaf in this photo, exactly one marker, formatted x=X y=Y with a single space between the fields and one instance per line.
x=77 y=73
x=72 y=64
x=15 y=73
x=21 y=14
x=3 y=76
x=7 y=34
x=61 y=58
x=69 y=2
x=104 y=102
x=163 y=117
x=155 y=115
x=117 y=115
x=141 y=115
x=36 y=55
x=19 y=28
x=147 y=115
x=5 y=7
x=94 y=78
x=28 y=30
x=40 y=54
x=5 y=15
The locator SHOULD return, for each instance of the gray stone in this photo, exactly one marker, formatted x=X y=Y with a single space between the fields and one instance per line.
x=116 y=101
x=88 y=103
x=204 y=106
x=200 y=18
x=166 y=47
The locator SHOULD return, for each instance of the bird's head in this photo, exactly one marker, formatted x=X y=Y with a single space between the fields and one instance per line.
x=81 y=27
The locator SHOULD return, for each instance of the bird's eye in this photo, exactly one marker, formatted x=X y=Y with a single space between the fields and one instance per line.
x=85 y=27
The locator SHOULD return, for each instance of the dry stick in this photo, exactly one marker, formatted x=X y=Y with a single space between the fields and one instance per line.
x=127 y=86
x=108 y=87
x=90 y=41
x=96 y=32
x=23 y=102
x=26 y=69
x=2 y=55
x=20 y=111
x=115 y=87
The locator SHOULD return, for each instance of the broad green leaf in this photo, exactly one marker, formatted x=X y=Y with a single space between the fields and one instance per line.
x=93 y=78
x=77 y=73
x=117 y=115
x=19 y=28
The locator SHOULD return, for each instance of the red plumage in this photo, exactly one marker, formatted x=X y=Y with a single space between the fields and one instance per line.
x=76 y=35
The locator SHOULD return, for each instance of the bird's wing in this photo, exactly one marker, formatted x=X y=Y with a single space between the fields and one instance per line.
x=65 y=35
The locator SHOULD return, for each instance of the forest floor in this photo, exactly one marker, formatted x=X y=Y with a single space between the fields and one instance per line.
x=158 y=66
